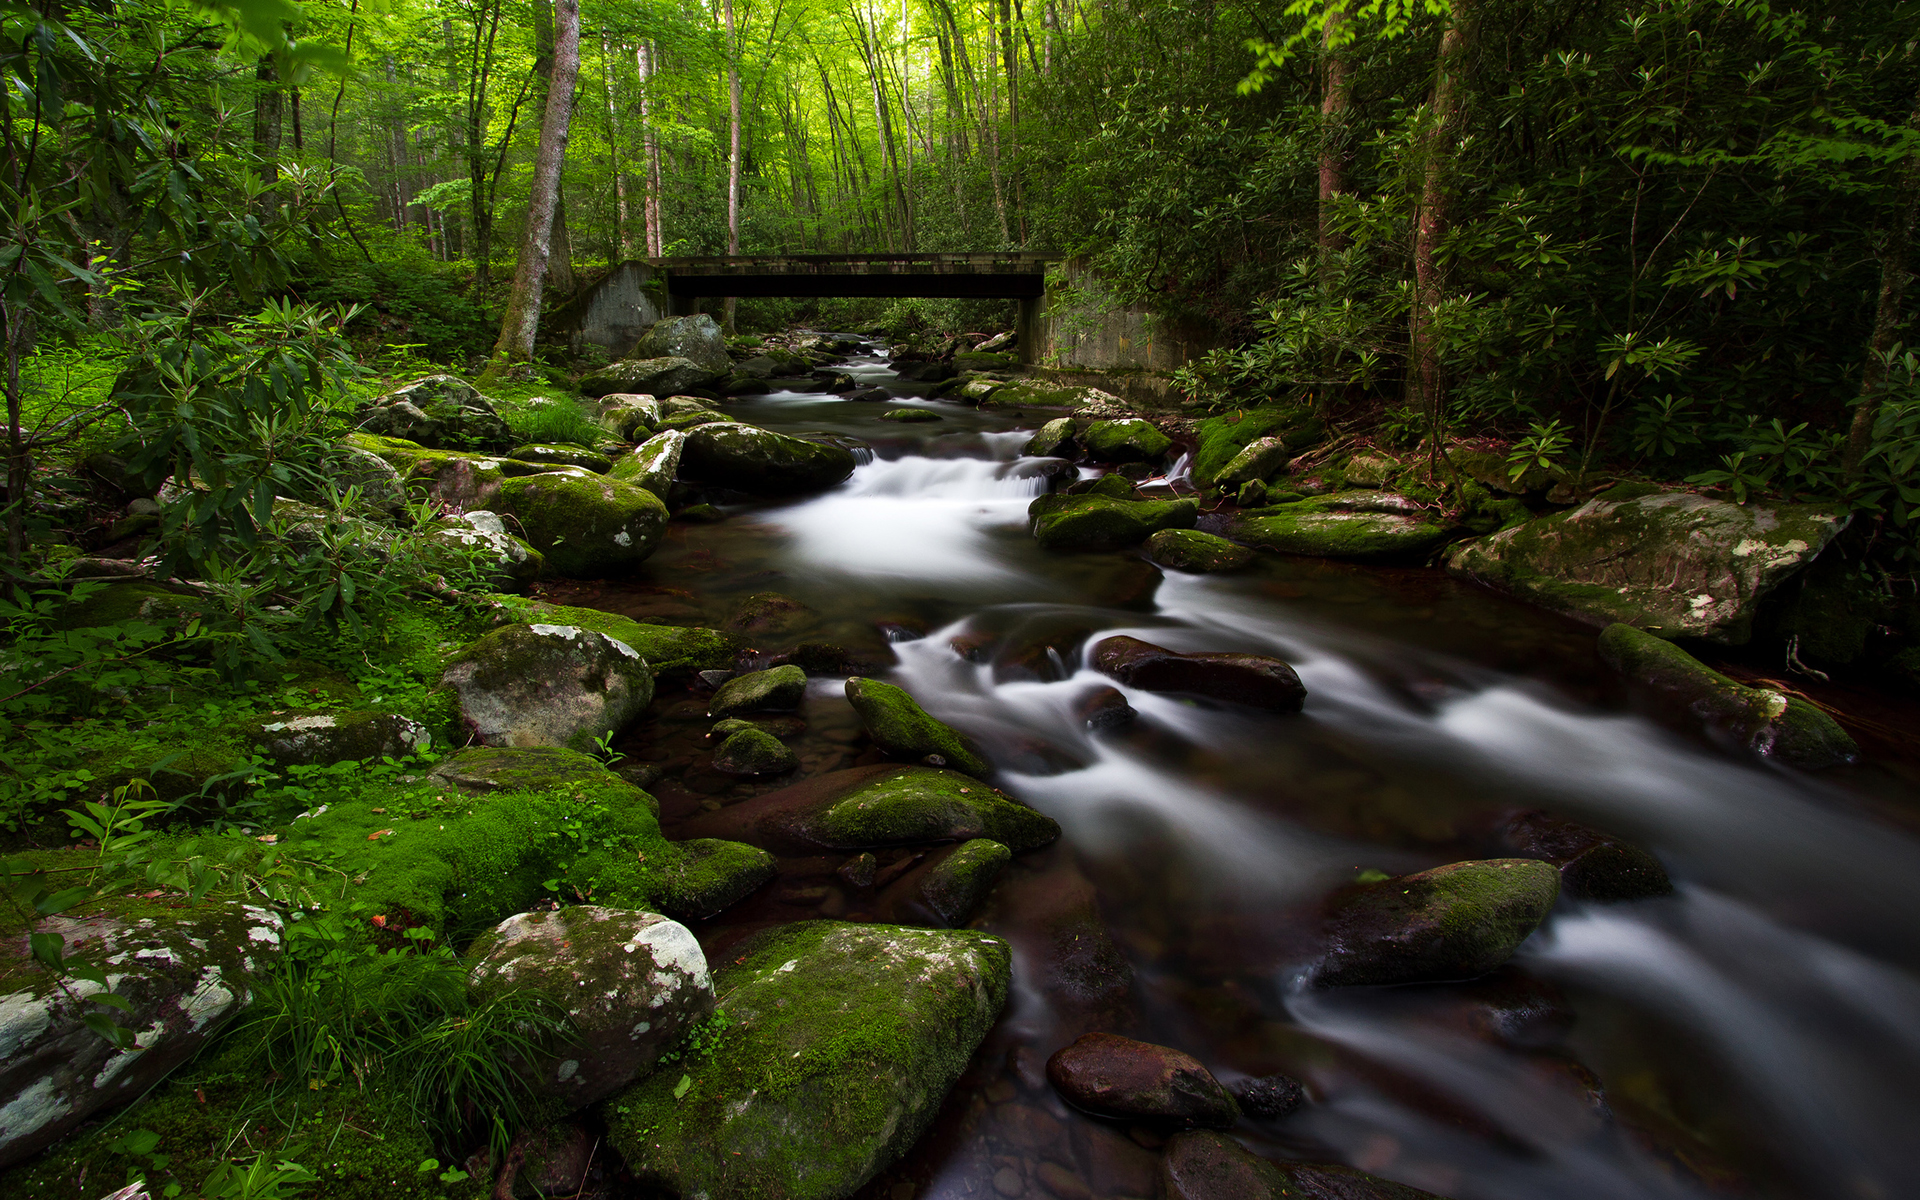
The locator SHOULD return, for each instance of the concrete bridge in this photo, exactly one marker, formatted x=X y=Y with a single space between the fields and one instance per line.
x=1067 y=322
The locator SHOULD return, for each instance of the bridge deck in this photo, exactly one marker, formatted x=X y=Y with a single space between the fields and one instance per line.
x=1009 y=275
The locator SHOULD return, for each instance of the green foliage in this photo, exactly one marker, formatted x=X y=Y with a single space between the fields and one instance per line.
x=548 y=419
x=410 y=299
x=1541 y=449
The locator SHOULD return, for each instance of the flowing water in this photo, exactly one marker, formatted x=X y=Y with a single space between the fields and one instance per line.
x=1758 y=1032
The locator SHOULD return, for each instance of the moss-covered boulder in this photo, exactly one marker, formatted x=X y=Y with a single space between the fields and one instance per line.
x=630 y=415
x=183 y=970
x=946 y=889
x=753 y=752
x=696 y=338
x=864 y=807
x=653 y=464
x=749 y=459
x=1258 y=460
x=710 y=876
x=1593 y=865
x=547 y=685
x=840 y=1042
x=478 y=540
x=477 y=770
x=1672 y=563
x=442 y=412
x=1453 y=922
x=898 y=725
x=562 y=456
x=1253 y=680
x=1367 y=527
x=1132 y=1080
x=911 y=416
x=459 y=480
x=357 y=735
x=1222 y=438
x=1054 y=439
x=1133 y=440
x=631 y=983
x=779 y=689
x=373 y=478
x=1763 y=720
x=1092 y=521
x=666 y=376
x=669 y=650
x=1195 y=552
x=587 y=526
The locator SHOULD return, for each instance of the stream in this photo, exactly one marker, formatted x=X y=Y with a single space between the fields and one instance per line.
x=1756 y=1033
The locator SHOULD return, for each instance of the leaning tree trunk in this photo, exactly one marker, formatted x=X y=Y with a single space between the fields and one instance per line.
x=522 y=322
x=733 y=151
x=1336 y=98
x=1430 y=225
x=1895 y=270
x=268 y=121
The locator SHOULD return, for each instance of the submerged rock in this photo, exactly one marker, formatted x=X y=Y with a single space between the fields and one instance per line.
x=547 y=685
x=1105 y=709
x=665 y=376
x=753 y=752
x=1370 y=527
x=1593 y=865
x=1096 y=521
x=864 y=807
x=587 y=526
x=1452 y=922
x=769 y=613
x=898 y=725
x=910 y=415
x=946 y=890
x=184 y=971
x=1672 y=563
x=631 y=983
x=712 y=876
x=1202 y=1165
x=1254 y=680
x=1192 y=551
x=1270 y=1097
x=1119 y=1077
x=777 y=690
x=697 y=338
x=1764 y=721
x=1127 y=441
x=840 y=1043
x=761 y=462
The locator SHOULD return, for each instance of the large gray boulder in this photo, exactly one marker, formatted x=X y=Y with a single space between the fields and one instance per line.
x=547 y=685
x=456 y=479
x=442 y=412
x=587 y=526
x=1673 y=563
x=747 y=458
x=479 y=539
x=653 y=464
x=318 y=738
x=376 y=480
x=1366 y=526
x=630 y=415
x=840 y=1043
x=184 y=970
x=697 y=339
x=650 y=376
x=631 y=983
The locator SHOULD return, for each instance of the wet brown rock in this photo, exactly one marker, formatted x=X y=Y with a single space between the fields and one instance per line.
x=1212 y=1166
x=857 y=871
x=1111 y=1165
x=1328 y=1181
x=1062 y=1183
x=769 y=613
x=1270 y=1097
x=1120 y=1077
x=1453 y=922
x=1593 y=865
x=1105 y=709
x=1253 y=680
x=1060 y=929
x=946 y=889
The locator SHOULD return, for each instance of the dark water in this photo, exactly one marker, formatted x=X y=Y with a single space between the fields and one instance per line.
x=1756 y=1033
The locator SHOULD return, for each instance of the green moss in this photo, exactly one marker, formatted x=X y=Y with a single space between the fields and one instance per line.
x=586 y=525
x=1452 y=922
x=920 y=804
x=837 y=1044
x=898 y=725
x=960 y=882
x=668 y=649
x=1191 y=550
x=1055 y=437
x=1311 y=527
x=124 y=602
x=1132 y=440
x=711 y=876
x=1097 y=522
x=1222 y=438
x=779 y=689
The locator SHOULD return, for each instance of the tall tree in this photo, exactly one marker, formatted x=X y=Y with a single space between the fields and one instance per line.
x=522 y=321
x=733 y=149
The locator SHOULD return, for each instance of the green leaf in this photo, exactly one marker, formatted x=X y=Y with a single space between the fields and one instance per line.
x=680 y=1089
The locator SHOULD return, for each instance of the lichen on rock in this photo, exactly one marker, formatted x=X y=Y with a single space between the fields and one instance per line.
x=547 y=685
x=588 y=526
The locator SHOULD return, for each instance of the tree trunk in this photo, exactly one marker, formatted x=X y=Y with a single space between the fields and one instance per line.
x=1896 y=257
x=733 y=152
x=1336 y=99
x=1430 y=225
x=19 y=460
x=522 y=321
x=267 y=119
x=560 y=257
x=623 y=226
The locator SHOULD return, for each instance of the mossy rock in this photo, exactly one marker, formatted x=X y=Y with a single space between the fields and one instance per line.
x=670 y=650
x=477 y=770
x=910 y=416
x=865 y=807
x=1257 y=462
x=947 y=890
x=442 y=411
x=974 y=360
x=753 y=752
x=630 y=415
x=124 y=602
x=1128 y=441
x=761 y=462
x=1195 y=552
x=682 y=422
x=711 y=876
x=1028 y=393
x=1222 y=438
x=770 y=613
x=898 y=725
x=653 y=464
x=839 y=1044
x=318 y=738
x=1765 y=721
x=779 y=689
x=1832 y=611
x=458 y=479
x=1335 y=527
x=696 y=338
x=548 y=685
x=479 y=540
x=1092 y=521
x=1453 y=922
x=1672 y=563
x=1054 y=439
x=650 y=377
x=565 y=456
x=587 y=526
